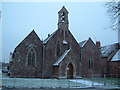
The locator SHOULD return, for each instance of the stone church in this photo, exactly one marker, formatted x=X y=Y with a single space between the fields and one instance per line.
x=58 y=56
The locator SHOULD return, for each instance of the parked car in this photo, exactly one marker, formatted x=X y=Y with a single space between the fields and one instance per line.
x=5 y=71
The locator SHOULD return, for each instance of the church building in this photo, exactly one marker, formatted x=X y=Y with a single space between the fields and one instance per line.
x=58 y=56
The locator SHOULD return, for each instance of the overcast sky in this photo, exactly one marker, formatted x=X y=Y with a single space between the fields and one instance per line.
x=86 y=19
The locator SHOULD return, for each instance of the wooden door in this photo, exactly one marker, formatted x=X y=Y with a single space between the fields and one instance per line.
x=70 y=71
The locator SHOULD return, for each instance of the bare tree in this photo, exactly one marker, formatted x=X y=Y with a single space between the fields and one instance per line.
x=113 y=10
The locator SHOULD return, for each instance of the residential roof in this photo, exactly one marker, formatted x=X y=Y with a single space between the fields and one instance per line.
x=61 y=57
x=116 y=57
x=107 y=50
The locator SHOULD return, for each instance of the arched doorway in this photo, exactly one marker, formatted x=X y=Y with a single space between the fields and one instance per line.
x=70 y=71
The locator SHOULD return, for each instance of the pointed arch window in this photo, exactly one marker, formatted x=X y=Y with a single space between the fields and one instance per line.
x=31 y=57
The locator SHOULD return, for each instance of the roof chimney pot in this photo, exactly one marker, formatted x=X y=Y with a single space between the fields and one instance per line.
x=98 y=44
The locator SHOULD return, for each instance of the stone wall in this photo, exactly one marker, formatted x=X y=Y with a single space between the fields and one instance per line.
x=19 y=64
x=91 y=51
x=51 y=57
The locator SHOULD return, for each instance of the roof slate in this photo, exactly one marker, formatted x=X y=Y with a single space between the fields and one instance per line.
x=116 y=57
x=107 y=50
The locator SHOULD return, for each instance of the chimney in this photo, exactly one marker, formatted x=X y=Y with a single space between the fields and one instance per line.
x=98 y=44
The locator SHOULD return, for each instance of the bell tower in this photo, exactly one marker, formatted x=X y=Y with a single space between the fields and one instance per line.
x=63 y=19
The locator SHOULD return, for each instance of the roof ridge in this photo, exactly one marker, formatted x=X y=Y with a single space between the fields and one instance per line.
x=107 y=50
x=110 y=45
x=48 y=38
x=82 y=43
x=28 y=35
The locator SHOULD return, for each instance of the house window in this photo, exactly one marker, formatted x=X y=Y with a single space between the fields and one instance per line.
x=31 y=57
x=58 y=49
x=90 y=63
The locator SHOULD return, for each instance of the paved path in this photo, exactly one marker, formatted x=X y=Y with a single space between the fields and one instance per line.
x=88 y=83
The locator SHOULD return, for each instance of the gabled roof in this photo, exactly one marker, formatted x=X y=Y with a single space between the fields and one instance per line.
x=83 y=43
x=48 y=38
x=63 y=9
x=61 y=57
x=30 y=34
x=107 y=50
x=116 y=57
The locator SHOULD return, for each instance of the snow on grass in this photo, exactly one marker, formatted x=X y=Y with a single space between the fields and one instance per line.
x=53 y=83
x=38 y=83
x=86 y=82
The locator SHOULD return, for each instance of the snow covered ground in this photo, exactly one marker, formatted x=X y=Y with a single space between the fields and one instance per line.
x=88 y=83
x=38 y=83
x=49 y=83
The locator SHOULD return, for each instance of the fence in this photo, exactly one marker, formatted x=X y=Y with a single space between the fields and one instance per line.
x=84 y=81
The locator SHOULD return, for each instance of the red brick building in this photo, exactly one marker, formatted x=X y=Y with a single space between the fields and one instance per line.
x=111 y=59
x=114 y=68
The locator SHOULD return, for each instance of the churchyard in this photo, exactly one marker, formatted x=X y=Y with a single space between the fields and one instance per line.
x=100 y=82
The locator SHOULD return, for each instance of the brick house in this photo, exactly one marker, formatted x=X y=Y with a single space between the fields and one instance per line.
x=58 y=56
x=114 y=68
x=111 y=57
x=90 y=58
